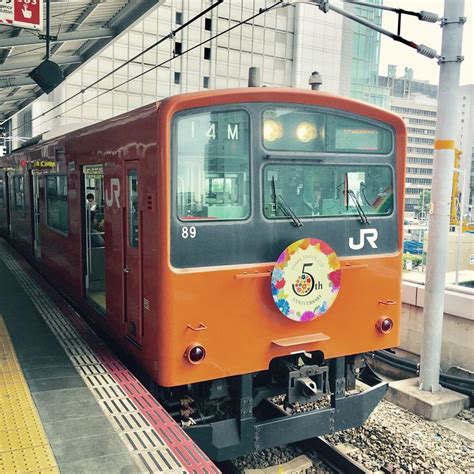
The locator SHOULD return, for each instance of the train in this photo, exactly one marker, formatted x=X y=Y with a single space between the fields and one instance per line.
x=242 y=247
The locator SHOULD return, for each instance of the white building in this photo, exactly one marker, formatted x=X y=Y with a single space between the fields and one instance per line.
x=419 y=114
x=465 y=140
x=286 y=43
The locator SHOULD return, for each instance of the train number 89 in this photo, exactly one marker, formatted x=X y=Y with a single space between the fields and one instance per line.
x=188 y=232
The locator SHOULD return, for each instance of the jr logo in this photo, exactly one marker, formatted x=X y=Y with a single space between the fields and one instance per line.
x=371 y=235
x=114 y=193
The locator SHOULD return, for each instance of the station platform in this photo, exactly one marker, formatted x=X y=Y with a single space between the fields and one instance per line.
x=67 y=404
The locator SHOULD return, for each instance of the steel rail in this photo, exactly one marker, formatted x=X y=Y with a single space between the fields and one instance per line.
x=334 y=457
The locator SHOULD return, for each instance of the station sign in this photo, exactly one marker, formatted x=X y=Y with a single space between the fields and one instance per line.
x=44 y=164
x=22 y=13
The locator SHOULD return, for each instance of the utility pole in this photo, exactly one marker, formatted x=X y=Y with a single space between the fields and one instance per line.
x=443 y=168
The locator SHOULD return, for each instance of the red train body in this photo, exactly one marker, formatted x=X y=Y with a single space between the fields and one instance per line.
x=173 y=255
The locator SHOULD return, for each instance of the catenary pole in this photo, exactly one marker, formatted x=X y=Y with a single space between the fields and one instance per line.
x=443 y=168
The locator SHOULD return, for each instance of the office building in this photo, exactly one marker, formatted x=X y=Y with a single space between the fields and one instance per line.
x=465 y=142
x=419 y=114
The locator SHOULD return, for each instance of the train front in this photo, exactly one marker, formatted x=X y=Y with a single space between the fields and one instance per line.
x=283 y=251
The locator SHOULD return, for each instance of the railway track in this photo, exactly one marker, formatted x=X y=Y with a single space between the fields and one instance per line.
x=336 y=459
x=315 y=449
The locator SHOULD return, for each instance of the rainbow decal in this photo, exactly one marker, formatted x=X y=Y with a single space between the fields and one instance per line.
x=306 y=279
x=383 y=204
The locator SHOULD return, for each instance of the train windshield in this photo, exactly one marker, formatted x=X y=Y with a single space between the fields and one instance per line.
x=213 y=151
x=318 y=190
x=243 y=173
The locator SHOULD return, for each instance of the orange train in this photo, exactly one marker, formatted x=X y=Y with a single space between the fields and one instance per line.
x=242 y=246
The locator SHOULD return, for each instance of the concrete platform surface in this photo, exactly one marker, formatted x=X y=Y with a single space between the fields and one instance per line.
x=462 y=428
x=432 y=406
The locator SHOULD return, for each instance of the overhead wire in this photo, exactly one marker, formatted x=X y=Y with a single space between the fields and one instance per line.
x=171 y=35
x=62 y=18
x=175 y=55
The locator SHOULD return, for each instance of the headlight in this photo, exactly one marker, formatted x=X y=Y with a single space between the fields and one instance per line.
x=272 y=130
x=306 y=132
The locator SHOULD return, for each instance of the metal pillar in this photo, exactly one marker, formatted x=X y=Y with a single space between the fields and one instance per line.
x=443 y=167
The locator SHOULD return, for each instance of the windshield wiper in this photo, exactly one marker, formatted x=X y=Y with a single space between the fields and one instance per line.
x=360 y=211
x=280 y=203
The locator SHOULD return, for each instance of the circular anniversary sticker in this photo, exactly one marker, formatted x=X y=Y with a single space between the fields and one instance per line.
x=306 y=279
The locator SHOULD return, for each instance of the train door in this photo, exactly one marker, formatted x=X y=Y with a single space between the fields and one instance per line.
x=35 y=183
x=131 y=269
x=94 y=237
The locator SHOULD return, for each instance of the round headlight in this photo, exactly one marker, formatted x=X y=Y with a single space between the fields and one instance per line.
x=306 y=132
x=272 y=130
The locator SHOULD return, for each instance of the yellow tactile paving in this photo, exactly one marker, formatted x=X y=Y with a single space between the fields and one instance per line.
x=20 y=438
x=27 y=460
x=24 y=446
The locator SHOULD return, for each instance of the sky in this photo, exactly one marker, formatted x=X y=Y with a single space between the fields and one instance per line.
x=393 y=52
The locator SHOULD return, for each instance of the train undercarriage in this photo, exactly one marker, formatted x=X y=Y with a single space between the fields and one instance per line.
x=299 y=397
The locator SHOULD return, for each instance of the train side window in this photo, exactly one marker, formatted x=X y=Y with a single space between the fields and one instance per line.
x=19 y=194
x=2 y=193
x=57 y=217
x=213 y=166
x=133 y=208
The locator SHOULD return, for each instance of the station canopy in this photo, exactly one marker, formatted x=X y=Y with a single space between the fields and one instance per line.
x=79 y=30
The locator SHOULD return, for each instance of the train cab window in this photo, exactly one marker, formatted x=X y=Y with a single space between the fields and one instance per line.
x=213 y=162
x=318 y=190
x=302 y=130
x=19 y=194
x=57 y=203
x=133 y=208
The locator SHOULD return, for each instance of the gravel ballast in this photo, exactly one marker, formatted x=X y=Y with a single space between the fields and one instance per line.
x=399 y=441
x=392 y=440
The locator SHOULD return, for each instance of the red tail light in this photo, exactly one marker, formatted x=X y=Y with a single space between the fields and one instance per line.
x=384 y=325
x=195 y=354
